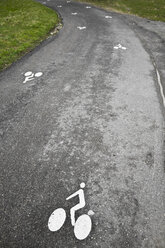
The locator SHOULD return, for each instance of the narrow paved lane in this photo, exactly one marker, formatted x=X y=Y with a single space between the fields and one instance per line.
x=94 y=116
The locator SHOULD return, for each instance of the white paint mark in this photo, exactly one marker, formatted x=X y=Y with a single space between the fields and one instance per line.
x=160 y=86
x=67 y=87
x=74 y=13
x=119 y=46
x=82 y=185
x=90 y=213
x=81 y=203
x=59 y=6
x=81 y=28
x=56 y=220
x=88 y=7
x=1 y=132
x=68 y=1
x=38 y=74
x=108 y=17
x=82 y=227
x=29 y=75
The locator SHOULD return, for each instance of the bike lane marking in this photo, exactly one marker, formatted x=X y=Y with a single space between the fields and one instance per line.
x=119 y=46
x=56 y=220
x=82 y=225
x=81 y=28
x=29 y=75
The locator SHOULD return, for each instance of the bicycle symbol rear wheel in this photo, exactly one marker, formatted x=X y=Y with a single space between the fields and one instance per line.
x=83 y=227
x=56 y=219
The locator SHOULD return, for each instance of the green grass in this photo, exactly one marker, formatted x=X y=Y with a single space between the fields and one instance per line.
x=151 y=9
x=23 y=25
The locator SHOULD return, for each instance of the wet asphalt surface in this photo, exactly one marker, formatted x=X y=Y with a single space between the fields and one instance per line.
x=94 y=116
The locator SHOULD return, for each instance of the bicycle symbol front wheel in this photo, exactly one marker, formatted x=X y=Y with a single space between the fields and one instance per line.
x=82 y=227
x=56 y=219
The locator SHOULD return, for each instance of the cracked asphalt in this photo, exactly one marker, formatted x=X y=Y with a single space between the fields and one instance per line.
x=94 y=116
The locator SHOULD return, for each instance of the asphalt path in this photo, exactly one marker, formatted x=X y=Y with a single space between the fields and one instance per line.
x=95 y=115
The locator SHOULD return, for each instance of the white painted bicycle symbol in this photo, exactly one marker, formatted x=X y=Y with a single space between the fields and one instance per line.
x=29 y=75
x=83 y=224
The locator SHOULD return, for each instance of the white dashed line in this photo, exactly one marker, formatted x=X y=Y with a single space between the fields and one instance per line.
x=108 y=17
x=75 y=13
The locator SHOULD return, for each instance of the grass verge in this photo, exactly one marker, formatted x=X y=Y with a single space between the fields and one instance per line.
x=150 y=9
x=23 y=25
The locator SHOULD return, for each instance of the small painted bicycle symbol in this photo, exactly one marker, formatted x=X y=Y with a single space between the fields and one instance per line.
x=83 y=224
x=29 y=75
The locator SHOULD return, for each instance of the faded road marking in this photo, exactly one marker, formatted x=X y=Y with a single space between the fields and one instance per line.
x=38 y=74
x=160 y=86
x=67 y=87
x=119 y=46
x=81 y=28
x=29 y=75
